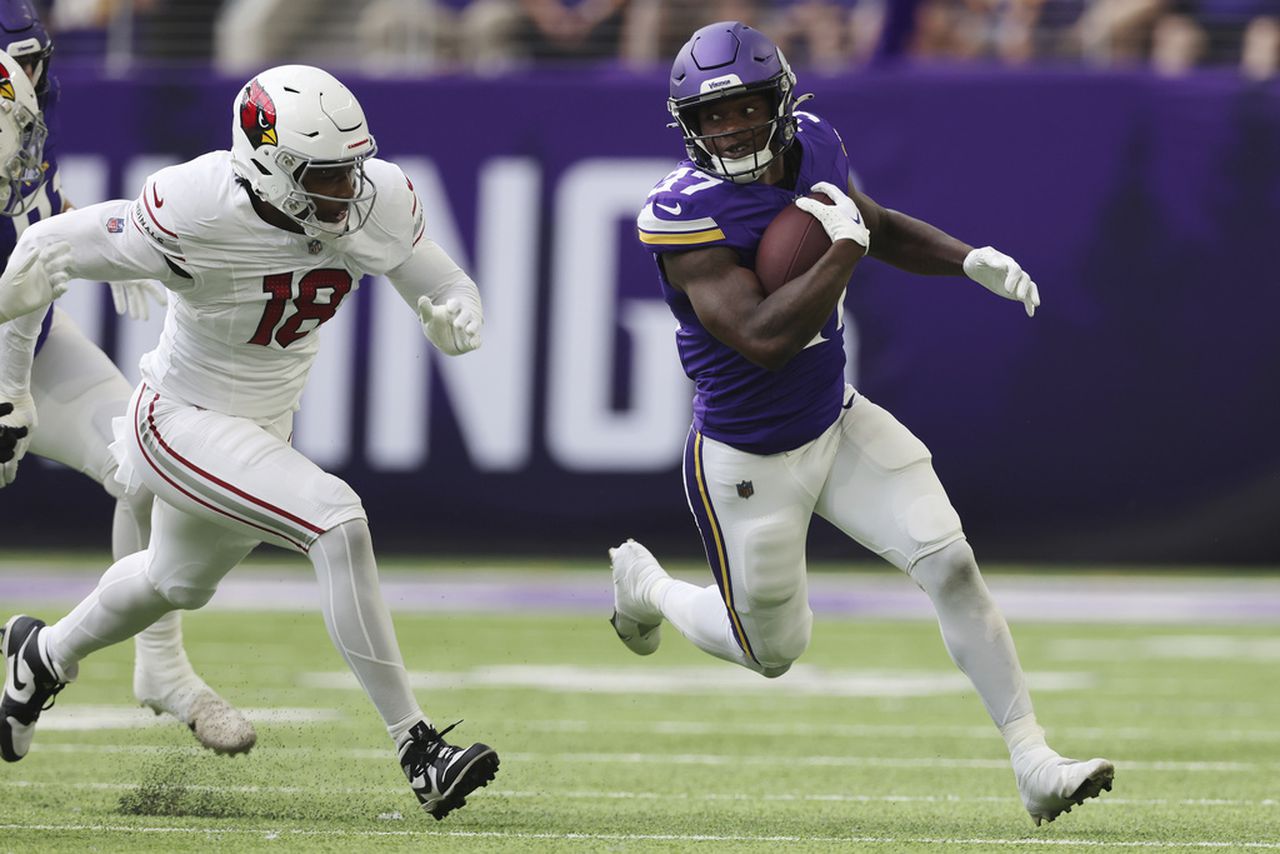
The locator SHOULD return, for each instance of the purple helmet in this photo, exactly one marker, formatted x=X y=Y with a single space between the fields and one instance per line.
x=23 y=37
x=723 y=60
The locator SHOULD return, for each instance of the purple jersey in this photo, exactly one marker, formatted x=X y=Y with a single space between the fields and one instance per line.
x=736 y=401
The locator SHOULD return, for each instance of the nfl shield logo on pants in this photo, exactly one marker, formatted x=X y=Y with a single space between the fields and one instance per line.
x=745 y=489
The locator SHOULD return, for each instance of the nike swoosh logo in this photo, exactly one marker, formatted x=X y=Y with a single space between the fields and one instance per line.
x=674 y=211
x=18 y=684
x=155 y=196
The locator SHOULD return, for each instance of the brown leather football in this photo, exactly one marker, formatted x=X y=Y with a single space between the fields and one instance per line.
x=790 y=245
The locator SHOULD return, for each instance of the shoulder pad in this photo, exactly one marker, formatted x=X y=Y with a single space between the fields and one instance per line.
x=681 y=210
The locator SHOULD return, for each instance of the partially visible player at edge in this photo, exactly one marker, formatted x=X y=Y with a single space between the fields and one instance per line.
x=65 y=391
x=777 y=435
x=258 y=246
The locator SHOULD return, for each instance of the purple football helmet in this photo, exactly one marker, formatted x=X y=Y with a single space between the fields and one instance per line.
x=724 y=60
x=23 y=37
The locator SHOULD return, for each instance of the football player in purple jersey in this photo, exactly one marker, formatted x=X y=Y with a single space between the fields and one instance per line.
x=777 y=435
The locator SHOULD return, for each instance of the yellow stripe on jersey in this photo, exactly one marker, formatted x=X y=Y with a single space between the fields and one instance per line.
x=688 y=238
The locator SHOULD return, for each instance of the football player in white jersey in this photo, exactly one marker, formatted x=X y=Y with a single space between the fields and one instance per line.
x=64 y=391
x=258 y=247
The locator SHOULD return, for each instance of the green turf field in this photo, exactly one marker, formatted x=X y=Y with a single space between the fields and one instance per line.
x=874 y=744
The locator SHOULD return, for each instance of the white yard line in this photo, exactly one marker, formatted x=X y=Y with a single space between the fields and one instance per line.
x=708 y=759
x=272 y=833
x=597 y=795
x=799 y=730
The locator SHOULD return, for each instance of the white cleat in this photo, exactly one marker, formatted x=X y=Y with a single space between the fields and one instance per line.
x=637 y=622
x=1051 y=785
x=215 y=723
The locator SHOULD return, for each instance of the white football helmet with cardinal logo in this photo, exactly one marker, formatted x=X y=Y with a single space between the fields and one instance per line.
x=293 y=118
x=22 y=136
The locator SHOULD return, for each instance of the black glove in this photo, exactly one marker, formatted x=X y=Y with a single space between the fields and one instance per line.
x=9 y=436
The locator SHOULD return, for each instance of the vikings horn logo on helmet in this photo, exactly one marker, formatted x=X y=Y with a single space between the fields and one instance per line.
x=258 y=116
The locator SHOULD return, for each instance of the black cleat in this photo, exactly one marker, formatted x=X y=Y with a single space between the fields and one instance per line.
x=30 y=685
x=441 y=774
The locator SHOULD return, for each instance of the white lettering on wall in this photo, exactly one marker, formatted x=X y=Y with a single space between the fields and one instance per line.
x=491 y=389
x=584 y=432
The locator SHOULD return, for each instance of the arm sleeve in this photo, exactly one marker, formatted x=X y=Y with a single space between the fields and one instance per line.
x=430 y=272
x=17 y=351
x=106 y=244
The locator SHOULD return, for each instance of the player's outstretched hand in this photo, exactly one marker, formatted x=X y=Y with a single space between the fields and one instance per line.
x=1002 y=275
x=36 y=281
x=17 y=420
x=841 y=220
x=133 y=297
x=451 y=326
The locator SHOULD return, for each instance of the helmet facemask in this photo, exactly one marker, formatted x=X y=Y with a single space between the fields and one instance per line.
x=770 y=138
x=300 y=204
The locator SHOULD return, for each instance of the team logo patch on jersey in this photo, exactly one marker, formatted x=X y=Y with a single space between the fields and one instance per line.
x=258 y=116
x=115 y=224
x=6 y=85
x=746 y=489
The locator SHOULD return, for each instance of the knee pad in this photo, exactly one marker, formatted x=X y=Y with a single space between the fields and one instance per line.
x=183 y=596
x=335 y=501
x=779 y=641
x=952 y=565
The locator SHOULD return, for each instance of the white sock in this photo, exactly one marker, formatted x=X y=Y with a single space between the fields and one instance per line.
x=974 y=631
x=699 y=614
x=123 y=603
x=162 y=671
x=1023 y=735
x=360 y=624
x=158 y=651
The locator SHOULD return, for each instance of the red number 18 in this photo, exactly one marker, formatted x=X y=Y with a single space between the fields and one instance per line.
x=280 y=288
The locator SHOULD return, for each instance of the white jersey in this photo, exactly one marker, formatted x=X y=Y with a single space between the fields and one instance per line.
x=239 y=337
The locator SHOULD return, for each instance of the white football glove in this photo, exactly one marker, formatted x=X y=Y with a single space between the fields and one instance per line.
x=132 y=297
x=452 y=327
x=17 y=420
x=1002 y=275
x=37 y=281
x=841 y=220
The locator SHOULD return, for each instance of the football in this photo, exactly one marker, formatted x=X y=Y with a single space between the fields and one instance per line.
x=790 y=245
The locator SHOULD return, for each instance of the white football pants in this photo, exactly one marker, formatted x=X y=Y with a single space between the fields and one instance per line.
x=873 y=479
x=223 y=484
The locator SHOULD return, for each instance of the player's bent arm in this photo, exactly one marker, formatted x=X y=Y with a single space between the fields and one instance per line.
x=908 y=243
x=445 y=297
x=17 y=352
x=17 y=408
x=98 y=253
x=766 y=329
x=918 y=247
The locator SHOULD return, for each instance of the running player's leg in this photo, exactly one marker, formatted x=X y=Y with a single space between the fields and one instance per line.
x=78 y=392
x=753 y=513
x=247 y=478
x=884 y=493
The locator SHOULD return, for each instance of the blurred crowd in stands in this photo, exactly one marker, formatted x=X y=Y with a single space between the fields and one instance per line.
x=1171 y=37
